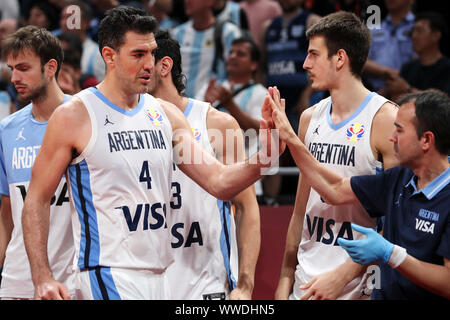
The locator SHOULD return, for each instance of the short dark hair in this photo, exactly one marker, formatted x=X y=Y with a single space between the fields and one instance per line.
x=39 y=40
x=48 y=9
x=119 y=21
x=255 y=53
x=432 y=114
x=73 y=41
x=168 y=47
x=344 y=30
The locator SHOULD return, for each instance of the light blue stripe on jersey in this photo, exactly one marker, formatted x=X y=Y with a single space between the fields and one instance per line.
x=102 y=284
x=194 y=66
x=245 y=99
x=339 y=125
x=188 y=109
x=79 y=178
x=225 y=241
x=117 y=108
x=235 y=13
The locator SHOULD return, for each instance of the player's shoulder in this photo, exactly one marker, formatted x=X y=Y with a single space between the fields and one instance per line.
x=69 y=114
x=220 y=120
x=387 y=112
x=17 y=117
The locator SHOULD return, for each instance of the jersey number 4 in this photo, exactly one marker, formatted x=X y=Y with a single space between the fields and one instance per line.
x=144 y=176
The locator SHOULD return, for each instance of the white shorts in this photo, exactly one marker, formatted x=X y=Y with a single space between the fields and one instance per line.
x=104 y=283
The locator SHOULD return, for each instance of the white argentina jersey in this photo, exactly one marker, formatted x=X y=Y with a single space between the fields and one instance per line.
x=20 y=140
x=344 y=148
x=120 y=186
x=203 y=231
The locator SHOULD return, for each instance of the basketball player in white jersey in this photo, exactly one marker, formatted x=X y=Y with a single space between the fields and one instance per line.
x=203 y=237
x=118 y=145
x=349 y=133
x=34 y=56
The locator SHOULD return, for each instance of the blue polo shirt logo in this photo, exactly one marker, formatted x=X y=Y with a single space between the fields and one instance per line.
x=426 y=224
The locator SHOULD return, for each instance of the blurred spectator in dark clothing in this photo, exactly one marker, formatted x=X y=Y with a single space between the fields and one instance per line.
x=391 y=44
x=71 y=79
x=432 y=69
x=43 y=14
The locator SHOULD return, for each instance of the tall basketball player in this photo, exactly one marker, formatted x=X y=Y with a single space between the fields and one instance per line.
x=203 y=227
x=349 y=133
x=34 y=56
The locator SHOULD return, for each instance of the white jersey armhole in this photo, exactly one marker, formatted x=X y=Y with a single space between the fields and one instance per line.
x=94 y=131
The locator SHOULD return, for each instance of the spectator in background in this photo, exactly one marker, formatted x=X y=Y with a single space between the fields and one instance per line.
x=70 y=73
x=204 y=46
x=91 y=59
x=286 y=48
x=10 y=9
x=432 y=68
x=161 y=9
x=7 y=27
x=43 y=14
x=239 y=94
x=358 y=7
x=391 y=44
x=71 y=79
x=259 y=12
x=225 y=10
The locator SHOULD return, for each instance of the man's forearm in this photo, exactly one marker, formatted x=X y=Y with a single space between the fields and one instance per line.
x=249 y=242
x=35 y=223
x=435 y=278
x=323 y=180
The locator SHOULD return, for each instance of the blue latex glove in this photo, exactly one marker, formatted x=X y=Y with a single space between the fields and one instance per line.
x=368 y=250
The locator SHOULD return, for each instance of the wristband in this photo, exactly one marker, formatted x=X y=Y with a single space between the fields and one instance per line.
x=397 y=257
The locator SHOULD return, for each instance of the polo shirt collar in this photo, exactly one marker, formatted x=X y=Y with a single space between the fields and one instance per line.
x=408 y=18
x=433 y=187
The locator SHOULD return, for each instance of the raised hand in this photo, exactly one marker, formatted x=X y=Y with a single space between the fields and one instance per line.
x=279 y=118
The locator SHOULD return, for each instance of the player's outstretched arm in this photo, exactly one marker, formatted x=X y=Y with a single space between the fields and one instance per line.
x=51 y=162
x=222 y=181
x=333 y=188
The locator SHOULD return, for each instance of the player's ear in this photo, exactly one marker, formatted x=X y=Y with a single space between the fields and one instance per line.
x=166 y=66
x=50 y=67
x=341 y=58
x=109 y=55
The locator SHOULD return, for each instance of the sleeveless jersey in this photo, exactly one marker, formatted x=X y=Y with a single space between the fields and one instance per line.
x=344 y=148
x=287 y=47
x=120 y=186
x=20 y=140
x=203 y=232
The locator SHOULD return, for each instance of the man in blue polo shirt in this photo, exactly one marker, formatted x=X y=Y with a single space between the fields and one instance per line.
x=414 y=253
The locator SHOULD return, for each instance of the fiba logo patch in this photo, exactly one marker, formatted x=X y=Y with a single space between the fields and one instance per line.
x=197 y=134
x=154 y=116
x=355 y=132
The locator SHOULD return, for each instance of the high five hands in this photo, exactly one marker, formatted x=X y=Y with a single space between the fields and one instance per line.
x=273 y=113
